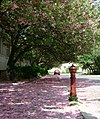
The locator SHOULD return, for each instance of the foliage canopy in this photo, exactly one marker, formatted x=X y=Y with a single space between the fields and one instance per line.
x=48 y=31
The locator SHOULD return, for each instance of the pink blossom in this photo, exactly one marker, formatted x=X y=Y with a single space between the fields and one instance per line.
x=14 y=6
x=22 y=21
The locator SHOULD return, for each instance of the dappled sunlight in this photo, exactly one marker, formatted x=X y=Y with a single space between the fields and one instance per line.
x=3 y=89
x=59 y=86
x=90 y=111
x=63 y=111
x=44 y=91
x=88 y=93
x=90 y=116
x=39 y=99
x=19 y=103
x=82 y=82
x=53 y=110
x=49 y=76
x=31 y=114
x=88 y=90
x=11 y=90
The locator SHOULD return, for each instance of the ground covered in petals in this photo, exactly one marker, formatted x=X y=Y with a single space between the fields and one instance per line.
x=44 y=98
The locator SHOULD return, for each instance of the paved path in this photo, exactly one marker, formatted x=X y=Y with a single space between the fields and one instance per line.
x=88 y=91
x=45 y=98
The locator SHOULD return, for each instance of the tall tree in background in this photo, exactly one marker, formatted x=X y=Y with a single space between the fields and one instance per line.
x=62 y=29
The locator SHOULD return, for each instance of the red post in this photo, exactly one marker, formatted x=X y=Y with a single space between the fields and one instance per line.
x=72 y=70
x=57 y=72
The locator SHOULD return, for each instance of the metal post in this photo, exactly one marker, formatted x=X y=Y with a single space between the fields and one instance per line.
x=73 y=95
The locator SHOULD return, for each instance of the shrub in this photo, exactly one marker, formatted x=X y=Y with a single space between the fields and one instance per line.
x=97 y=65
x=27 y=72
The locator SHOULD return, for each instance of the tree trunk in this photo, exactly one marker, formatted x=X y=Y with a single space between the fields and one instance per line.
x=11 y=67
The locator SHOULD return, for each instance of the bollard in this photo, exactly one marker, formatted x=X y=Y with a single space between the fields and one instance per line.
x=57 y=72
x=73 y=95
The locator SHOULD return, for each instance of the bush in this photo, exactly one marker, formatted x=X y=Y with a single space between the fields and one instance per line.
x=27 y=72
x=67 y=70
x=97 y=65
x=96 y=72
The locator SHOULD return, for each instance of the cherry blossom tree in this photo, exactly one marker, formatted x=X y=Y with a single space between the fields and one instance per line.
x=60 y=28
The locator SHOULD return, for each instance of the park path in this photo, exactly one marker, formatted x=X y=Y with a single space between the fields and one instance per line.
x=44 y=98
x=88 y=92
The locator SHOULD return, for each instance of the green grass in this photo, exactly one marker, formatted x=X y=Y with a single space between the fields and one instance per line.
x=73 y=98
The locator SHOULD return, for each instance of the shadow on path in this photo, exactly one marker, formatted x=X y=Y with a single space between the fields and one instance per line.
x=44 y=98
